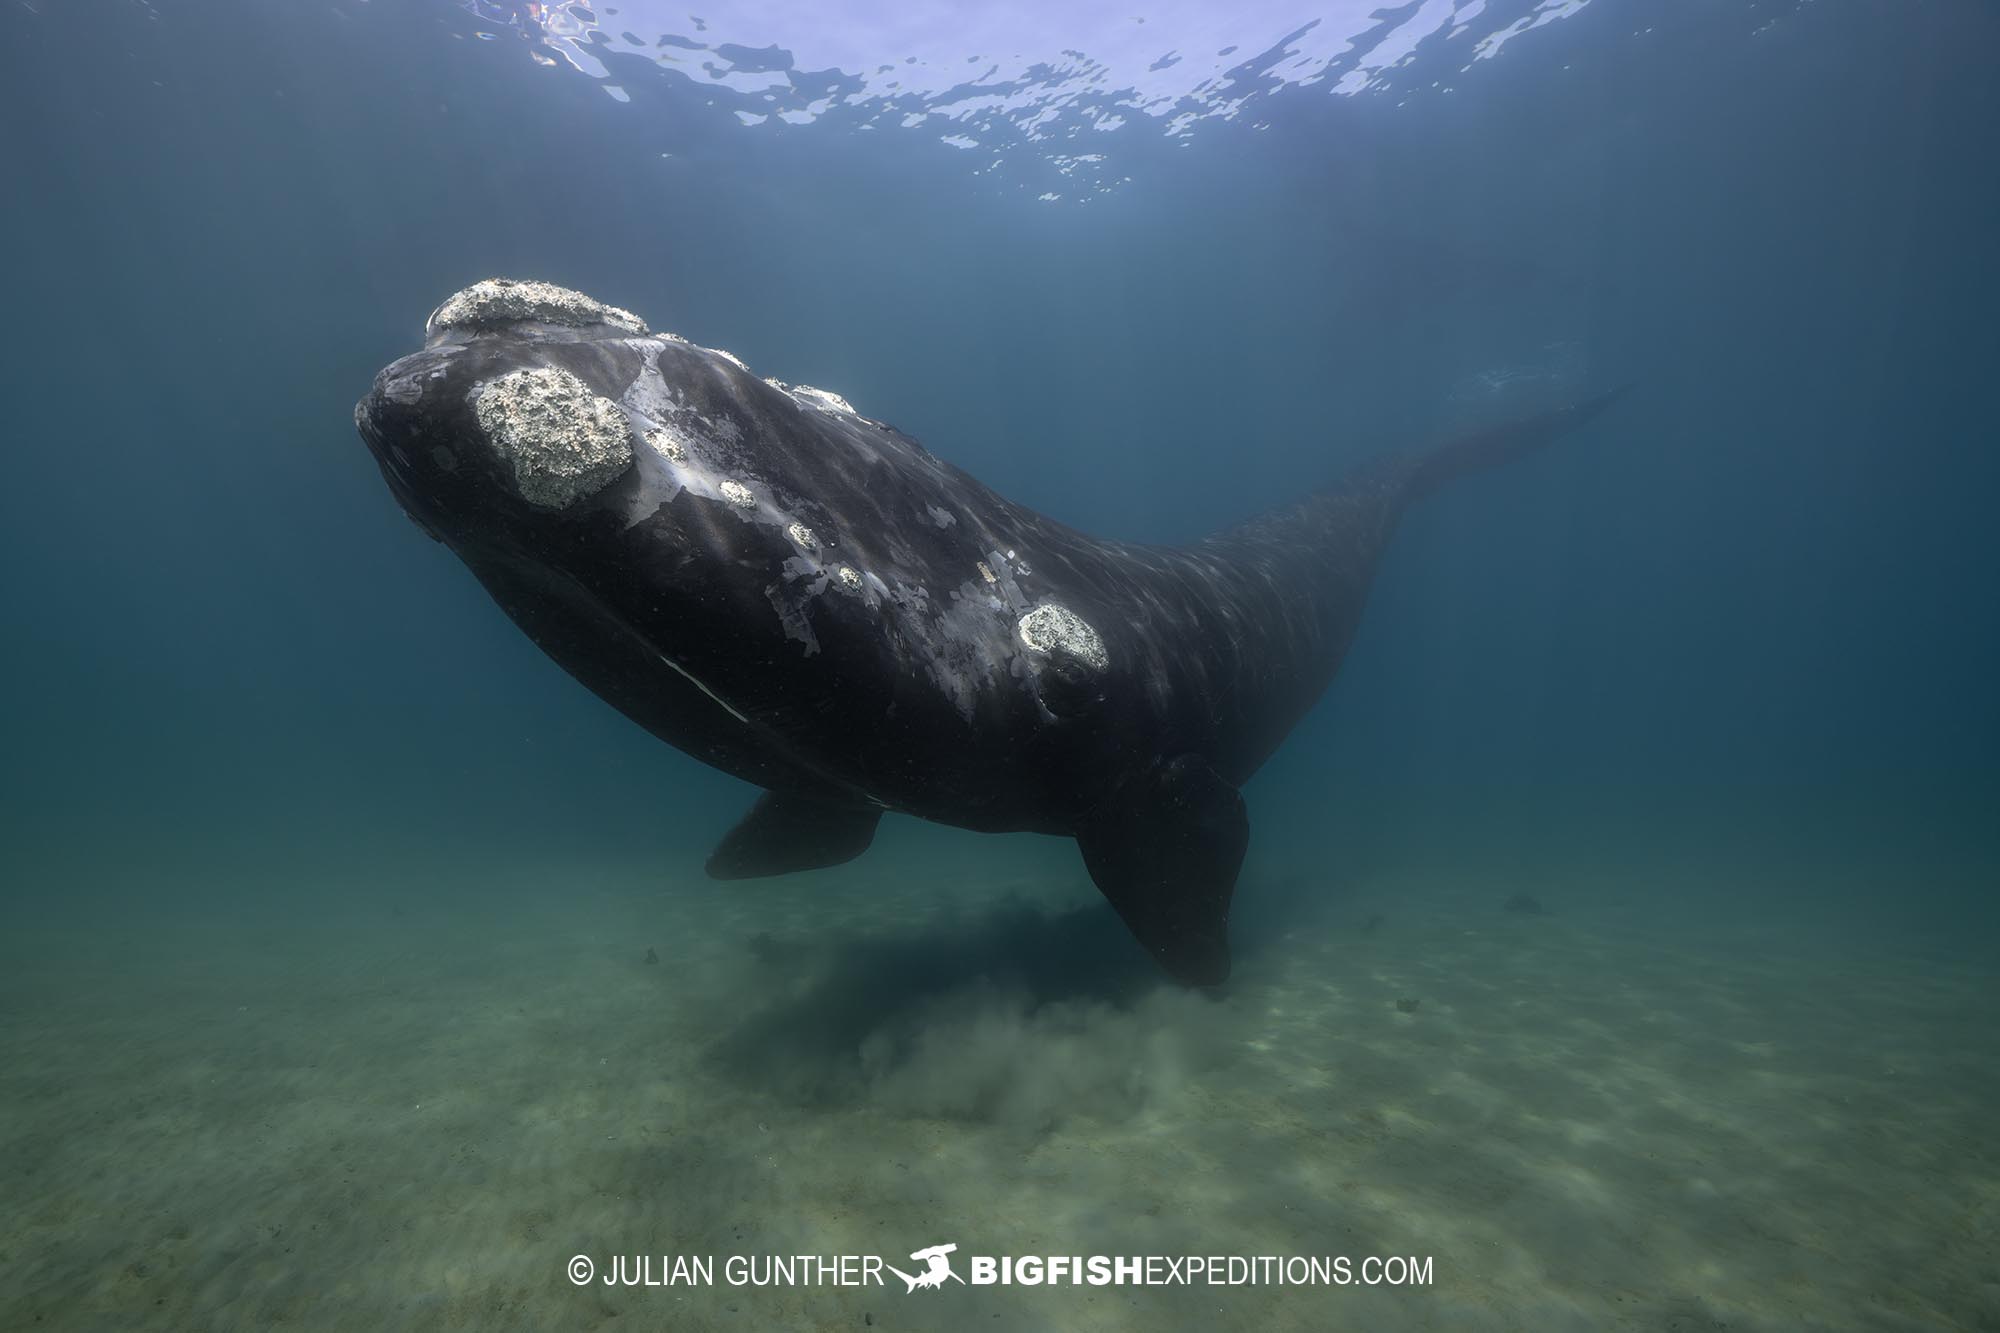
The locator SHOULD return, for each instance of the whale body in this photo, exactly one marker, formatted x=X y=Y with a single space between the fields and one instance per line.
x=808 y=599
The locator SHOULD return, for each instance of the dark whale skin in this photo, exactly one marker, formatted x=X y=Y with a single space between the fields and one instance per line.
x=810 y=600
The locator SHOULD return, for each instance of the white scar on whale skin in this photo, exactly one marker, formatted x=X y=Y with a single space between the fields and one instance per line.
x=695 y=681
x=685 y=451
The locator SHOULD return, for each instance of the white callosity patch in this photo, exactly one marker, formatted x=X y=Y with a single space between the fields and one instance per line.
x=562 y=441
x=1051 y=628
x=671 y=446
x=806 y=396
x=822 y=399
x=510 y=301
x=803 y=536
x=850 y=578
x=738 y=494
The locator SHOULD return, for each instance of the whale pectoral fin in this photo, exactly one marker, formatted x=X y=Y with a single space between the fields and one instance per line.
x=1165 y=852
x=785 y=832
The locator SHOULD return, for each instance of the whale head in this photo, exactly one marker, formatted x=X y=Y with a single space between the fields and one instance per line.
x=651 y=512
x=510 y=410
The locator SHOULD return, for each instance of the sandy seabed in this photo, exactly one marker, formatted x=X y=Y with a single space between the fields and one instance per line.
x=352 y=1104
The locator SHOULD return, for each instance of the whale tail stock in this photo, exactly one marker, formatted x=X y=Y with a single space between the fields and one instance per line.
x=1415 y=474
x=1165 y=847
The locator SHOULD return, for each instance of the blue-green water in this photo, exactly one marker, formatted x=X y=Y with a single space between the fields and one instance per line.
x=1723 y=667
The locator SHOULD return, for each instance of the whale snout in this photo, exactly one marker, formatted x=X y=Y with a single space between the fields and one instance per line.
x=514 y=390
x=414 y=444
x=536 y=433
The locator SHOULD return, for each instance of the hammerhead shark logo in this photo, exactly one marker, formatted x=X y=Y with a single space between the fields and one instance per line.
x=933 y=1276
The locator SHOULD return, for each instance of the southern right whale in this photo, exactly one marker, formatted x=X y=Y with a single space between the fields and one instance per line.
x=809 y=599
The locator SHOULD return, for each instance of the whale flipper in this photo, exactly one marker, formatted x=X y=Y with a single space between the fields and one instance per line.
x=785 y=832
x=1164 y=850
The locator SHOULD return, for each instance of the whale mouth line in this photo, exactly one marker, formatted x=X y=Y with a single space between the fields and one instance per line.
x=568 y=585
x=562 y=583
x=395 y=465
